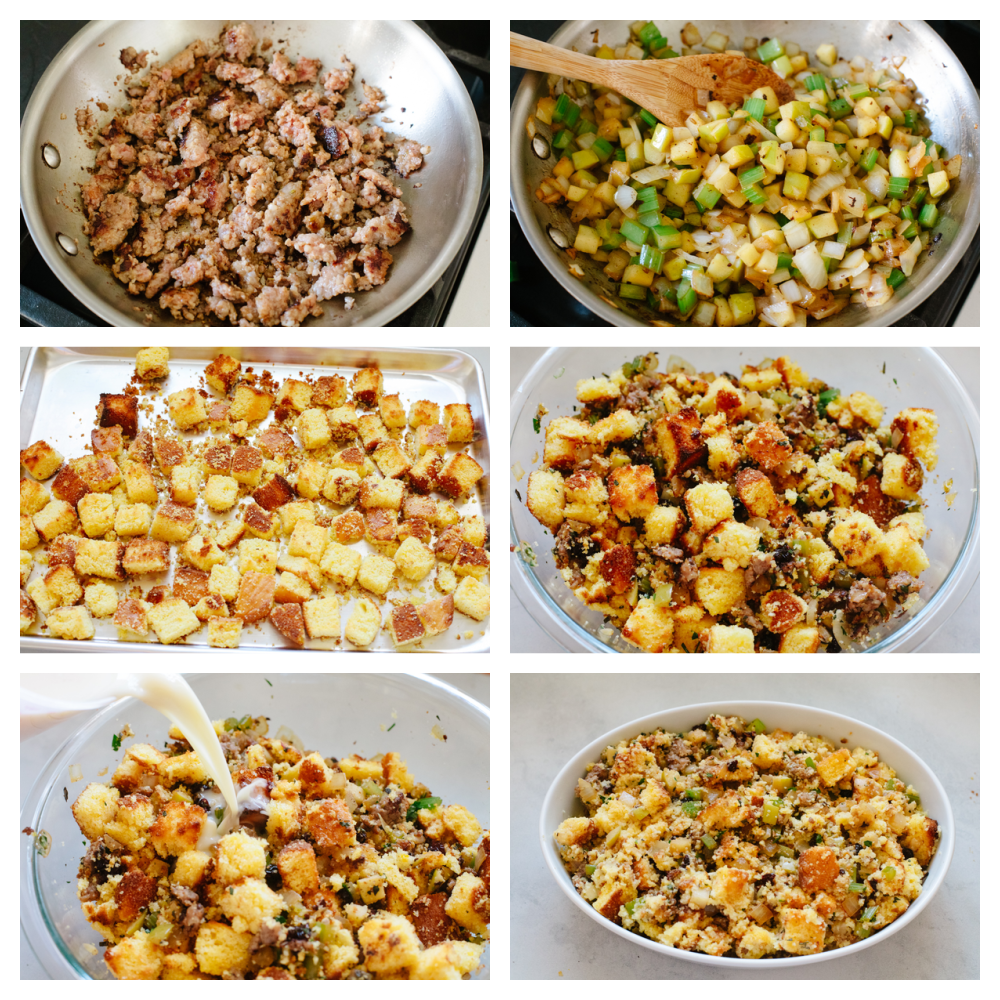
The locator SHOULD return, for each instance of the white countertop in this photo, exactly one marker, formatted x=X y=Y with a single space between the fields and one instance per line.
x=937 y=715
x=36 y=751
x=960 y=634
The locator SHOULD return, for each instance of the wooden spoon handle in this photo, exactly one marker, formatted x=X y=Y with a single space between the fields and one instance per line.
x=529 y=53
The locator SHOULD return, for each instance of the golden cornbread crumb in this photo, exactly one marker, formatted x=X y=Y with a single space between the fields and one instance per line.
x=152 y=362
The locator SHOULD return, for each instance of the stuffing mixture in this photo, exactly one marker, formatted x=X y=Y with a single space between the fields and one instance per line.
x=736 y=514
x=322 y=522
x=230 y=192
x=730 y=840
x=344 y=869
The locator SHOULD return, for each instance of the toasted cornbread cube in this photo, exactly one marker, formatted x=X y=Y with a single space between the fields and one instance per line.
x=405 y=626
x=762 y=380
x=803 y=931
x=303 y=568
x=596 y=390
x=119 y=410
x=275 y=443
x=250 y=404
x=100 y=473
x=224 y=633
x=650 y=626
x=731 y=544
x=448 y=543
x=102 y=559
x=190 y=584
x=678 y=439
x=220 y=949
x=459 y=426
x=473 y=529
x=919 y=429
x=564 y=436
x=221 y=492
x=586 y=498
x=376 y=573
x=620 y=426
x=348 y=528
x=173 y=523
x=865 y=408
x=423 y=474
x=707 y=504
x=380 y=530
x=139 y=483
x=723 y=455
x=901 y=477
x=373 y=432
x=229 y=533
x=29 y=536
x=445 y=580
x=414 y=560
x=224 y=581
x=41 y=460
x=689 y=625
x=223 y=373
x=248 y=464
x=311 y=478
x=341 y=563
x=768 y=445
x=210 y=606
x=632 y=491
x=275 y=493
x=185 y=482
x=471 y=561
x=152 y=362
x=70 y=623
x=297 y=865
x=792 y=375
x=29 y=612
x=34 y=497
x=729 y=639
x=437 y=615
x=133 y=519
x=430 y=437
x=459 y=475
x=313 y=428
x=354 y=460
x=69 y=486
x=386 y=495
x=472 y=598
x=27 y=563
x=391 y=411
x=40 y=596
x=366 y=386
x=663 y=524
x=294 y=512
x=330 y=391
x=322 y=618
x=101 y=599
x=107 y=441
x=203 y=553
x=547 y=497
x=364 y=623
x=423 y=411
x=901 y=550
x=294 y=397
x=719 y=590
x=469 y=904
x=393 y=462
x=756 y=492
x=340 y=486
x=255 y=597
x=146 y=555
x=800 y=639
x=343 y=422
x=391 y=946
x=218 y=416
x=169 y=453
x=445 y=514
x=308 y=540
x=288 y=620
x=780 y=610
x=61 y=589
x=725 y=398
x=857 y=537
x=291 y=588
x=258 y=556
x=186 y=408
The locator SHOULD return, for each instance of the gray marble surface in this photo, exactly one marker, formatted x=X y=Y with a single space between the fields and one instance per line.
x=36 y=751
x=935 y=715
x=960 y=634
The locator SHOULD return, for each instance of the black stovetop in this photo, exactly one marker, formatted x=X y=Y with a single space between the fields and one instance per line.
x=45 y=301
x=537 y=299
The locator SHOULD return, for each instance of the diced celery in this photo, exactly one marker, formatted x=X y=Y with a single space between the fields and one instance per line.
x=816 y=81
x=634 y=156
x=637 y=292
x=707 y=196
x=751 y=176
x=770 y=50
x=562 y=106
x=796 y=185
x=928 y=216
x=562 y=139
x=634 y=232
x=666 y=237
x=649 y=217
x=585 y=126
x=651 y=258
x=603 y=149
x=838 y=108
x=572 y=114
x=754 y=107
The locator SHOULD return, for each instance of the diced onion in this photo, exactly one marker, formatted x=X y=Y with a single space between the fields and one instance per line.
x=625 y=197
x=649 y=174
x=75 y=772
x=628 y=799
x=908 y=258
x=518 y=471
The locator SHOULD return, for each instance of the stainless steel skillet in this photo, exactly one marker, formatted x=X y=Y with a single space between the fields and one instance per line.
x=952 y=110
x=393 y=55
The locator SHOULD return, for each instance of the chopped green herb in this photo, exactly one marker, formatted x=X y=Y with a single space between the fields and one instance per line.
x=268 y=683
x=391 y=728
x=116 y=742
x=219 y=813
x=810 y=763
x=430 y=802
x=536 y=423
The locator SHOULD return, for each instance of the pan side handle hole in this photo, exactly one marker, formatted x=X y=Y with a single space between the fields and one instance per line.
x=50 y=155
x=67 y=244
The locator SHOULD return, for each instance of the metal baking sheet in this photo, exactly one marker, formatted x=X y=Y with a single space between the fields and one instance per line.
x=61 y=386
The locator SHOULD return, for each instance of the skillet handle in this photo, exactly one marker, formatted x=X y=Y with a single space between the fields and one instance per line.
x=529 y=53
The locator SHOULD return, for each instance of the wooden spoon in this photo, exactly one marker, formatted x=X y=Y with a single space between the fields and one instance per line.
x=668 y=88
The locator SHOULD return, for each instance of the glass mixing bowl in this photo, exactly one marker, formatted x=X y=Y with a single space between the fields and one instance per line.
x=332 y=713
x=912 y=376
x=561 y=801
